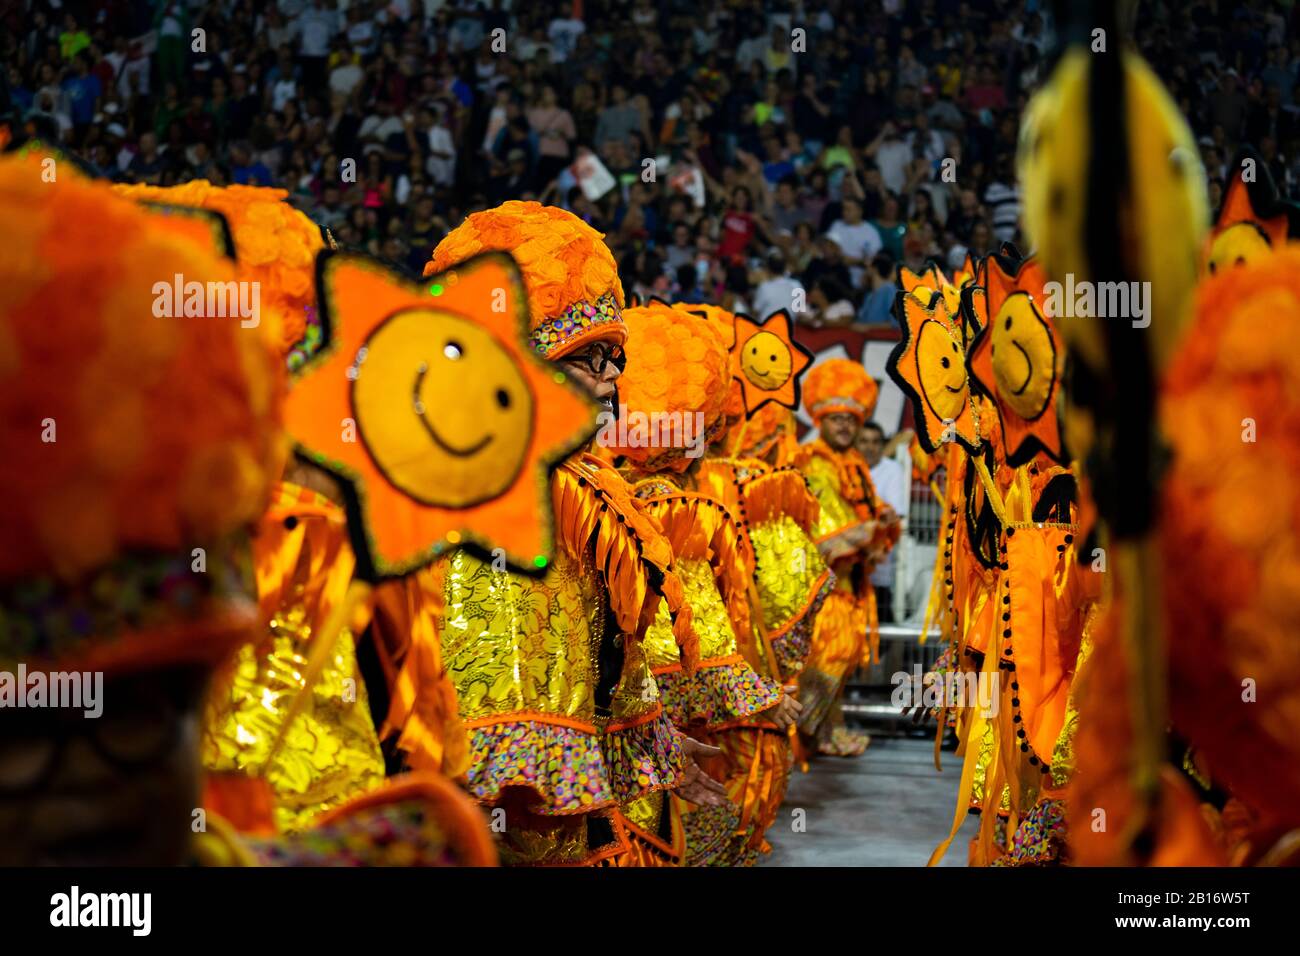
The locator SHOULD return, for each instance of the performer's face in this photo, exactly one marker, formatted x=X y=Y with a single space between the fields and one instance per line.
x=596 y=369
x=120 y=789
x=839 y=429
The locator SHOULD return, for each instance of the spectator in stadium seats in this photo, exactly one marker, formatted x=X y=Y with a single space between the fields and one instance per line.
x=892 y=155
x=776 y=290
x=827 y=261
x=878 y=305
x=858 y=239
x=637 y=82
x=890 y=227
x=1003 y=197
x=828 y=303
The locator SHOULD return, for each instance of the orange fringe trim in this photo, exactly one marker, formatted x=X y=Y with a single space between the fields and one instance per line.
x=698 y=527
x=594 y=504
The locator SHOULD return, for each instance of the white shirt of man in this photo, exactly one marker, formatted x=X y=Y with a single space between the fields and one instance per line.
x=563 y=34
x=345 y=78
x=892 y=157
x=441 y=168
x=892 y=483
x=282 y=92
x=776 y=294
x=316 y=28
x=858 y=242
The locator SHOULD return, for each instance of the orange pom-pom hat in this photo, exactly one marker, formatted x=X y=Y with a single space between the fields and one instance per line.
x=724 y=323
x=276 y=246
x=574 y=294
x=678 y=367
x=131 y=440
x=839 y=385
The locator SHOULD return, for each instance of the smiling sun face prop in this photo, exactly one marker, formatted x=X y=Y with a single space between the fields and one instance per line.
x=929 y=365
x=1253 y=220
x=428 y=402
x=1017 y=359
x=767 y=361
x=427 y=361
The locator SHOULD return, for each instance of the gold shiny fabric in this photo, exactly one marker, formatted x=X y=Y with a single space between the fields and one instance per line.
x=331 y=753
x=844 y=632
x=543 y=841
x=711 y=620
x=837 y=513
x=637 y=693
x=517 y=645
x=790 y=571
x=524 y=655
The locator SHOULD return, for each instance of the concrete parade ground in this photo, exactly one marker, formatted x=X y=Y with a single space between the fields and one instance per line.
x=888 y=807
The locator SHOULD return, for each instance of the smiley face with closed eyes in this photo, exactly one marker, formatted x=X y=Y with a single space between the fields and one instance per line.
x=941 y=369
x=929 y=365
x=1017 y=357
x=442 y=407
x=766 y=361
x=1024 y=356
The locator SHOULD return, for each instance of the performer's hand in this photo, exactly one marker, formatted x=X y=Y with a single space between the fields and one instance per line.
x=864 y=532
x=784 y=713
x=698 y=787
x=920 y=713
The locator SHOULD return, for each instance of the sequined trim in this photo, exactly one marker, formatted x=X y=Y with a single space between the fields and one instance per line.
x=792 y=647
x=720 y=693
x=577 y=320
x=403 y=834
x=46 y=619
x=643 y=758
x=1040 y=838
x=564 y=766
x=313 y=336
x=712 y=837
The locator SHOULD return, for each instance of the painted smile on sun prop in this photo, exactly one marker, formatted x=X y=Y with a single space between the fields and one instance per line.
x=929 y=365
x=443 y=424
x=1017 y=358
x=767 y=361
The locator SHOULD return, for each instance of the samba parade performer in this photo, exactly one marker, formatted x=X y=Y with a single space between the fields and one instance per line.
x=551 y=677
x=134 y=560
x=778 y=514
x=1013 y=599
x=301 y=556
x=673 y=398
x=853 y=532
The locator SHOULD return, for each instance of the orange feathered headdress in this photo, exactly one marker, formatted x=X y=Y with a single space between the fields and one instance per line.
x=675 y=389
x=574 y=295
x=839 y=385
x=138 y=446
x=276 y=247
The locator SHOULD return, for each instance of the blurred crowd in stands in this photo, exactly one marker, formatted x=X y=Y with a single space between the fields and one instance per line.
x=734 y=152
